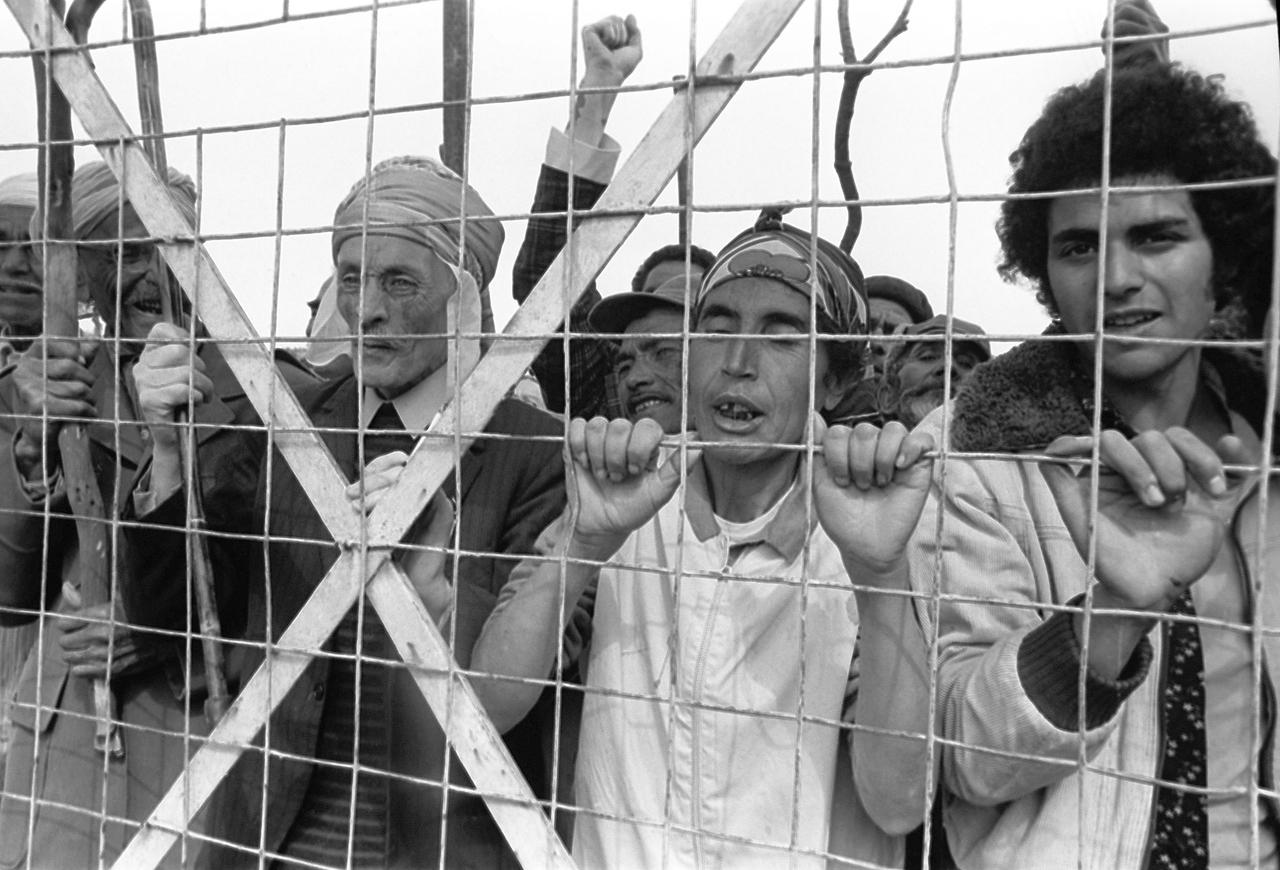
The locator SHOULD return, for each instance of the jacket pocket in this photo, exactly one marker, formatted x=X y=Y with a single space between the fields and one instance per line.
x=14 y=805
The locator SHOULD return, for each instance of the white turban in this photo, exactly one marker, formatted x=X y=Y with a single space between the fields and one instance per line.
x=20 y=190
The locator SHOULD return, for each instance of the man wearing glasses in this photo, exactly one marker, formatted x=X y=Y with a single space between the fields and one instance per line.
x=363 y=759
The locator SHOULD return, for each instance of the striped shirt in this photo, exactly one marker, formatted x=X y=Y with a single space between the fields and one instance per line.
x=324 y=824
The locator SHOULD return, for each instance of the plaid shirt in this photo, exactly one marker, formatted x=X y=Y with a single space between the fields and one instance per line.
x=592 y=389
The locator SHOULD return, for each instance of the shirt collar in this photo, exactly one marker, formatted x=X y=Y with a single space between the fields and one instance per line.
x=787 y=533
x=417 y=406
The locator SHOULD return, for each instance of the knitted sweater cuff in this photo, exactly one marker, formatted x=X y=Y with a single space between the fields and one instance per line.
x=1049 y=669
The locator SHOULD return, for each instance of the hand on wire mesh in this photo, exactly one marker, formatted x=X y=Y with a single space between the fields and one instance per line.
x=618 y=482
x=95 y=637
x=168 y=378
x=51 y=379
x=1163 y=503
x=432 y=530
x=869 y=486
x=1138 y=18
x=611 y=49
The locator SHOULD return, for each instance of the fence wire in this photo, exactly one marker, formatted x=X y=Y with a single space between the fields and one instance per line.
x=380 y=717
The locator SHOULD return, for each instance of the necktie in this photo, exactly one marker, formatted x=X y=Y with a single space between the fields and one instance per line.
x=1181 y=837
x=386 y=433
x=320 y=831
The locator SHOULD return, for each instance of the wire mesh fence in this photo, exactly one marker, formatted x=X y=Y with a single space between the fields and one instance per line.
x=762 y=562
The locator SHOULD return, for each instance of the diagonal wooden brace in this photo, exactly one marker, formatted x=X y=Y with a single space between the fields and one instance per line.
x=638 y=183
x=318 y=474
x=736 y=51
x=247 y=355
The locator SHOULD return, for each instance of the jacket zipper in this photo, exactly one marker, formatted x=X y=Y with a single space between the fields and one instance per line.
x=695 y=714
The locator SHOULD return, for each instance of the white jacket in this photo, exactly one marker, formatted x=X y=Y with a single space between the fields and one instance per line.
x=1029 y=794
x=711 y=724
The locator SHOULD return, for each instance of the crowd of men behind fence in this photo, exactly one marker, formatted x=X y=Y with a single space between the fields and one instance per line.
x=780 y=566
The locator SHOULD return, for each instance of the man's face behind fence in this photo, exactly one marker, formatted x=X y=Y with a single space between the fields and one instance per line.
x=1158 y=281
x=20 y=291
x=404 y=318
x=650 y=369
x=126 y=274
x=749 y=381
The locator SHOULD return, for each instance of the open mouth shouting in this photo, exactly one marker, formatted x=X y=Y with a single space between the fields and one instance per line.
x=736 y=414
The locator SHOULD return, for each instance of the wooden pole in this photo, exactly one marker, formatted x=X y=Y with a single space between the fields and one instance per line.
x=456 y=60
x=56 y=167
x=217 y=699
x=736 y=51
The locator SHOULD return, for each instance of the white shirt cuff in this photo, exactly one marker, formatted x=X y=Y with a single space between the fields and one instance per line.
x=592 y=163
x=144 y=502
x=146 y=498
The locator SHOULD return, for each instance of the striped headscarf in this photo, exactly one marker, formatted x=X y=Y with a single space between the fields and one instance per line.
x=782 y=253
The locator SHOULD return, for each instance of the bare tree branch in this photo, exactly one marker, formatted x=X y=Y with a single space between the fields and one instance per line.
x=899 y=27
x=844 y=113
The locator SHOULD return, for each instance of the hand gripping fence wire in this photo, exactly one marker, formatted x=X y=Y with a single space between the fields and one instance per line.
x=364 y=565
x=736 y=51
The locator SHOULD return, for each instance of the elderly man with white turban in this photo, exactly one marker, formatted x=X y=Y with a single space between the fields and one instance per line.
x=20 y=307
x=412 y=245
x=86 y=806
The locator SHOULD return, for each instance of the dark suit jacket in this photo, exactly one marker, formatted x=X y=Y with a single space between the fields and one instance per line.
x=52 y=705
x=509 y=491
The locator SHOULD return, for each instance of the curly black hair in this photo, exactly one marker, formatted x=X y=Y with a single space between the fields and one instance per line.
x=1166 y=120
x=670 y=254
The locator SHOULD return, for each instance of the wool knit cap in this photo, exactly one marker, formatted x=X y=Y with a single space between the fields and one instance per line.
x=905 y=294
x=962 y=332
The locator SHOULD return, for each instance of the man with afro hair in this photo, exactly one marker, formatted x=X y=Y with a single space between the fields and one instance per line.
x=1098 y=676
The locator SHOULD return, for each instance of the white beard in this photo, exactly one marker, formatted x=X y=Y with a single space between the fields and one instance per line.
x=915 y=406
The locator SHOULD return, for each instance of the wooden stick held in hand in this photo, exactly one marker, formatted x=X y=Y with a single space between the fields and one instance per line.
x=56 y=166
x=217 y=698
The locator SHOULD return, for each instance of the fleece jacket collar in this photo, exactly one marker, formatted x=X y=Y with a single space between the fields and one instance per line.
x=1037 y=392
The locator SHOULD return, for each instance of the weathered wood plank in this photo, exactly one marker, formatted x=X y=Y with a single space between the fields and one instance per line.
x=248 y=357
x=737 y=50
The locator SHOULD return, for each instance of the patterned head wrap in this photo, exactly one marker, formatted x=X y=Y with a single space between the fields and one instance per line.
x=421 y=200
x=782 y=253
x=95 y=196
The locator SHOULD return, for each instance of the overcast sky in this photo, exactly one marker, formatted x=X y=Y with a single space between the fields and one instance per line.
x=761 y=149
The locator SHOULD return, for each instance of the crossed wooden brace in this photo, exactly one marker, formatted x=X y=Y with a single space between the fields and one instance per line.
x=736 y=51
